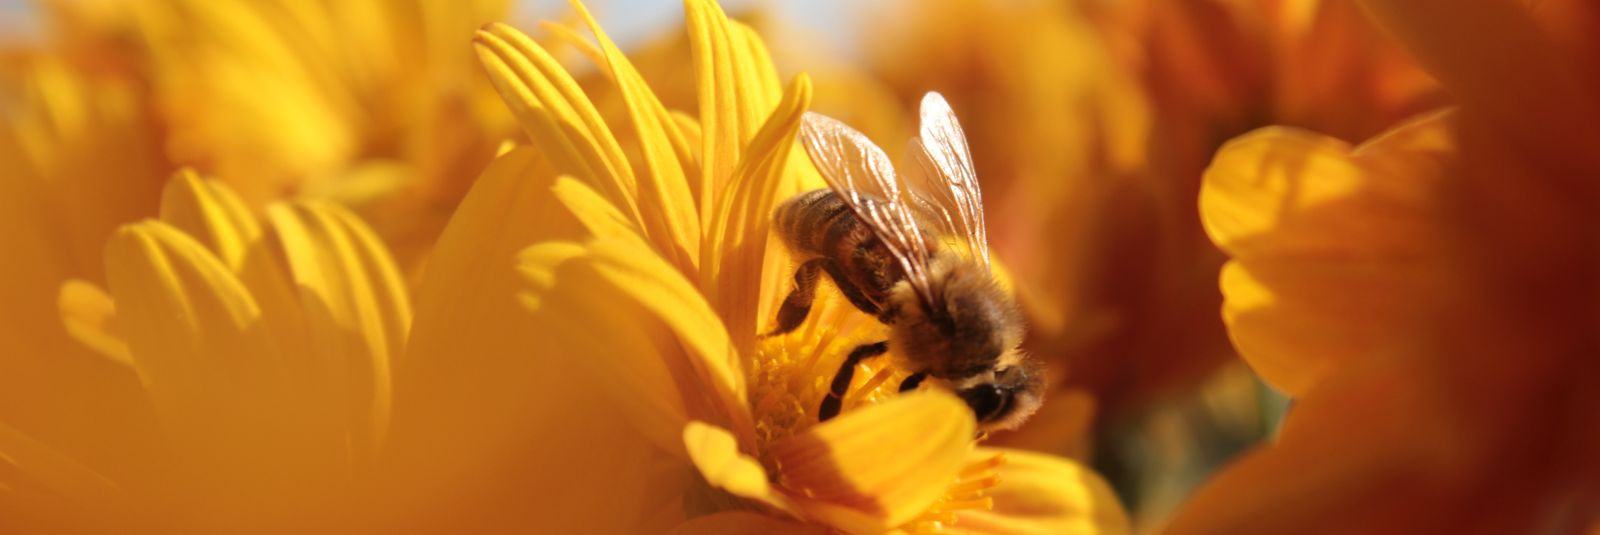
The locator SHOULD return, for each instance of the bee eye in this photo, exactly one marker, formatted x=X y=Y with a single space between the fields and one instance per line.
x=987 y=401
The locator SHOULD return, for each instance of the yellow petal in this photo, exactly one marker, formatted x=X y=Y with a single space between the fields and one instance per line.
x=735 y=262
x=1044 y=494
x=522 y=418
x=197 y=341
x=715 y=453
x=1333 y=247
x=644 y=325
x=357 y=313
x=90 y=317
x=631 y=360
x=598 y=215
x=664 y=192
x=738 y=522
x=555 y=113
x=678 y=304
x=211 y=213
x=734 y=92
x=884 y=464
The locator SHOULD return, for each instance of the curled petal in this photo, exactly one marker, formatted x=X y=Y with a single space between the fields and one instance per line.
x=90 y=316
x=1043 y=494
x=1332 y=247
x=715 y=453
x=881 y=465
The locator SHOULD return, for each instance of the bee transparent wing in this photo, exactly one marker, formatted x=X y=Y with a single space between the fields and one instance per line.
x=862 y=174
x=946 y=189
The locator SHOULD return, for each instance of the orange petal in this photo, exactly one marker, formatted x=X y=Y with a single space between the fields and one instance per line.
x=881 y=465
x=739 y=522
x=1043 y=494
x=357 y=314
x=715 y=453
x=533 y=445
x=1332 y=247
x=646 y=326
x=1494 y=57
x=211 y=372
x=210 y=212
x=90 y=317
x=1364 y=451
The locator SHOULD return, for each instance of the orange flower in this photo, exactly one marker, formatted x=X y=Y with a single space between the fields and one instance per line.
x=1094 y=123
x=1429 y=296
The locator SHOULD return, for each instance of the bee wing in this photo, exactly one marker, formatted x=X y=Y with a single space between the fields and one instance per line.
x=862 y=174
x=946 y=189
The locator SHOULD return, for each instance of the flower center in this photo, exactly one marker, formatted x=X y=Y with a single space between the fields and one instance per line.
x=790 y=374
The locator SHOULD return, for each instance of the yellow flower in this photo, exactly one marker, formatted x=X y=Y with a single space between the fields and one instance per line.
x=376 y=104
x=253 y=363
x=372 y=103
x=1428 y=296
x=80 y=159
x=637 y=397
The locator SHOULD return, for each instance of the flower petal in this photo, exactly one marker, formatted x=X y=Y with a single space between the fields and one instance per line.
x=1044 y=494
x=737 y=522
x=357 y=313
x=211 y=372
x=736 y=264
x=1499 y=63
x=521 y=415
x=555 y=113
x=90 y=317
x=23 y=458
x=884 y=464
x=1383 y=446
x=645 y=326
x=666 y=200
x=715 y=453
x=631 y=360
x=211 y=213
x=1333 y=248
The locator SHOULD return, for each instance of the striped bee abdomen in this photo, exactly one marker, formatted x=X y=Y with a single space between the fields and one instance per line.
x=819 y=224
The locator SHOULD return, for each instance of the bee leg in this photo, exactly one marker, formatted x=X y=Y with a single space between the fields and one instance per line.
x=841 y=381
x=849 y=289
x=913 y=381
x=798 y=304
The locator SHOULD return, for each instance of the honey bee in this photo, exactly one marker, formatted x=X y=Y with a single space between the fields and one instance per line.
x=917 y=258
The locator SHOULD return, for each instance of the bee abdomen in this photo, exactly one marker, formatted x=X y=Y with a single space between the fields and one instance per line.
x=813 y=222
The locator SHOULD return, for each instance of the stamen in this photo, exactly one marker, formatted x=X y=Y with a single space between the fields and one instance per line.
x=984 y=467
x=854 y=397
x=974 y=486
x=985 y=503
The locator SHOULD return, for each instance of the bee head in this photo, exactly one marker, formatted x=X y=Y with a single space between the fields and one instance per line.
x=1007 y=396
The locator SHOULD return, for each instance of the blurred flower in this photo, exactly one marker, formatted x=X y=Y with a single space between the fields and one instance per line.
x=638 y=396
x=375 y=104
x=1430 y=296
x=80 y=160
x=1091 y=124
x=262 y=358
